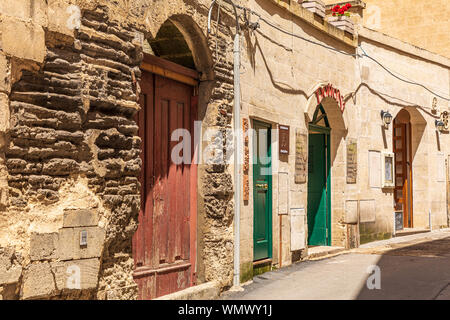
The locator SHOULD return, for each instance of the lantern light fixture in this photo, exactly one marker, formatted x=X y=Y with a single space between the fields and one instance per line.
x=387 y=118
x=440 y=126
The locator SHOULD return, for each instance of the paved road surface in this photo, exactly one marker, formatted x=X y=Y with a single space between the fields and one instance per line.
x=416 y=267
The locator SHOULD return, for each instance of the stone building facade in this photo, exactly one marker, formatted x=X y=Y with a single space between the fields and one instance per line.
x=79 y=81
x=421 y=23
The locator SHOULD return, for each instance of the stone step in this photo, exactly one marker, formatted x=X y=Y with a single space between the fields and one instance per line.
x=320 y=252
x=410 y=231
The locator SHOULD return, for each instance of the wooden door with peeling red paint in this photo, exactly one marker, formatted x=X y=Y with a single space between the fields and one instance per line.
x=164 y=244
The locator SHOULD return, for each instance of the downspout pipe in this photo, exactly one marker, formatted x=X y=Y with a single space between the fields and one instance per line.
x=237 y=142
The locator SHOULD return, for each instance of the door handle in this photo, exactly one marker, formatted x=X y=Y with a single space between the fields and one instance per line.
x=263 y=186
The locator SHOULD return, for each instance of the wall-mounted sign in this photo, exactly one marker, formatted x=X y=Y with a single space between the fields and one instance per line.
x=246 y=165
x=330 y=91
x=301 y=156
x=284 y=139
x=298 y=229
x=352 y=161
x=398 y=219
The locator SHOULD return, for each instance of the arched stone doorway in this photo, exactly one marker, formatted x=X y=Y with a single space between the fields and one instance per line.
x=327 y=125
x=319 y=180
x=165 y=244
x=408 y=129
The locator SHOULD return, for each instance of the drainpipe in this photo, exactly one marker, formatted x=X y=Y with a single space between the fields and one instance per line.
x=429 y=219
x=237 y=142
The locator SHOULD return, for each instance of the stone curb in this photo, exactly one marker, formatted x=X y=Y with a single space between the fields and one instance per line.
x=205 y=291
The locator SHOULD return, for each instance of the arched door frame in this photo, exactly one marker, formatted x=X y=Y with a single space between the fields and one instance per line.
x=319 y=127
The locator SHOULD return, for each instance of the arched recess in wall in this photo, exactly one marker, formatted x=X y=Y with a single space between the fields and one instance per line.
x=418 y=124
x=180 y=40
x=175 y=90
x=328 y=129
x=410 y=153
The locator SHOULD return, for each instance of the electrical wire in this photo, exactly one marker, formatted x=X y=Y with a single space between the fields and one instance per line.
x=293 y=34
x=404 y=80
x=260 y=18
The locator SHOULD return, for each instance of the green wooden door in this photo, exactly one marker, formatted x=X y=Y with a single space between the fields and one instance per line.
x=318 y=190
x=262 y=192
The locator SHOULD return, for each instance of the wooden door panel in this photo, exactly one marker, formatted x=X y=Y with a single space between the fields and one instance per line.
x=164 y=244
x=403 y=178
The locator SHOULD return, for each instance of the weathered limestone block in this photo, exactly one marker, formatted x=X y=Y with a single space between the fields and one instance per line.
x=218 y=184
x=38 y=281
x=80 y=218
x=10 y=267
x=77 y=274
x=69 y=243
x=3 y=197
x=63 y=18
x=25 y=9
x=23 y=40
x=57 y=167
x=4 y=113
x=351 y=212
x=43 y=246
x=4 y=73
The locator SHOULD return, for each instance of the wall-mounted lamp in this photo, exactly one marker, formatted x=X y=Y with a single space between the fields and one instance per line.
x=440 y=126
x=387 y=118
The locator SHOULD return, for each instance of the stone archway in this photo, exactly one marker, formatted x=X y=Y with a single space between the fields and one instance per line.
x=408 y=129
x=181 y=41
x=330 y=102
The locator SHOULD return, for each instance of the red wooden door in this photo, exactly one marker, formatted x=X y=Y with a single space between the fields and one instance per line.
x=164 y=244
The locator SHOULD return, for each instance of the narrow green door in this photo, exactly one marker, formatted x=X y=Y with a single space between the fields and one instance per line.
x=318 y=190
x=262 y=192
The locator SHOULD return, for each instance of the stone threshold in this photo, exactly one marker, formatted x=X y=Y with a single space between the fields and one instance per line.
x=204 y=291
x=410 y=231
x=322 y=252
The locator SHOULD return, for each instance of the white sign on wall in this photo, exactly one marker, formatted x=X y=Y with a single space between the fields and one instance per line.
x=298 y=232
x=375 y=169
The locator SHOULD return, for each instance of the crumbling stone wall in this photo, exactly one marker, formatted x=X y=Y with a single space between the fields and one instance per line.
x=69 y=154
x=72 y=133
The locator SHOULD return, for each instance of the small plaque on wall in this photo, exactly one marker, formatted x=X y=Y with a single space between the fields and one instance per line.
x=388 y=170
x=246 y=166
x=284 y=139
x=398 y=220
x=352 y=161
x=298 y=229
x=301 y=156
